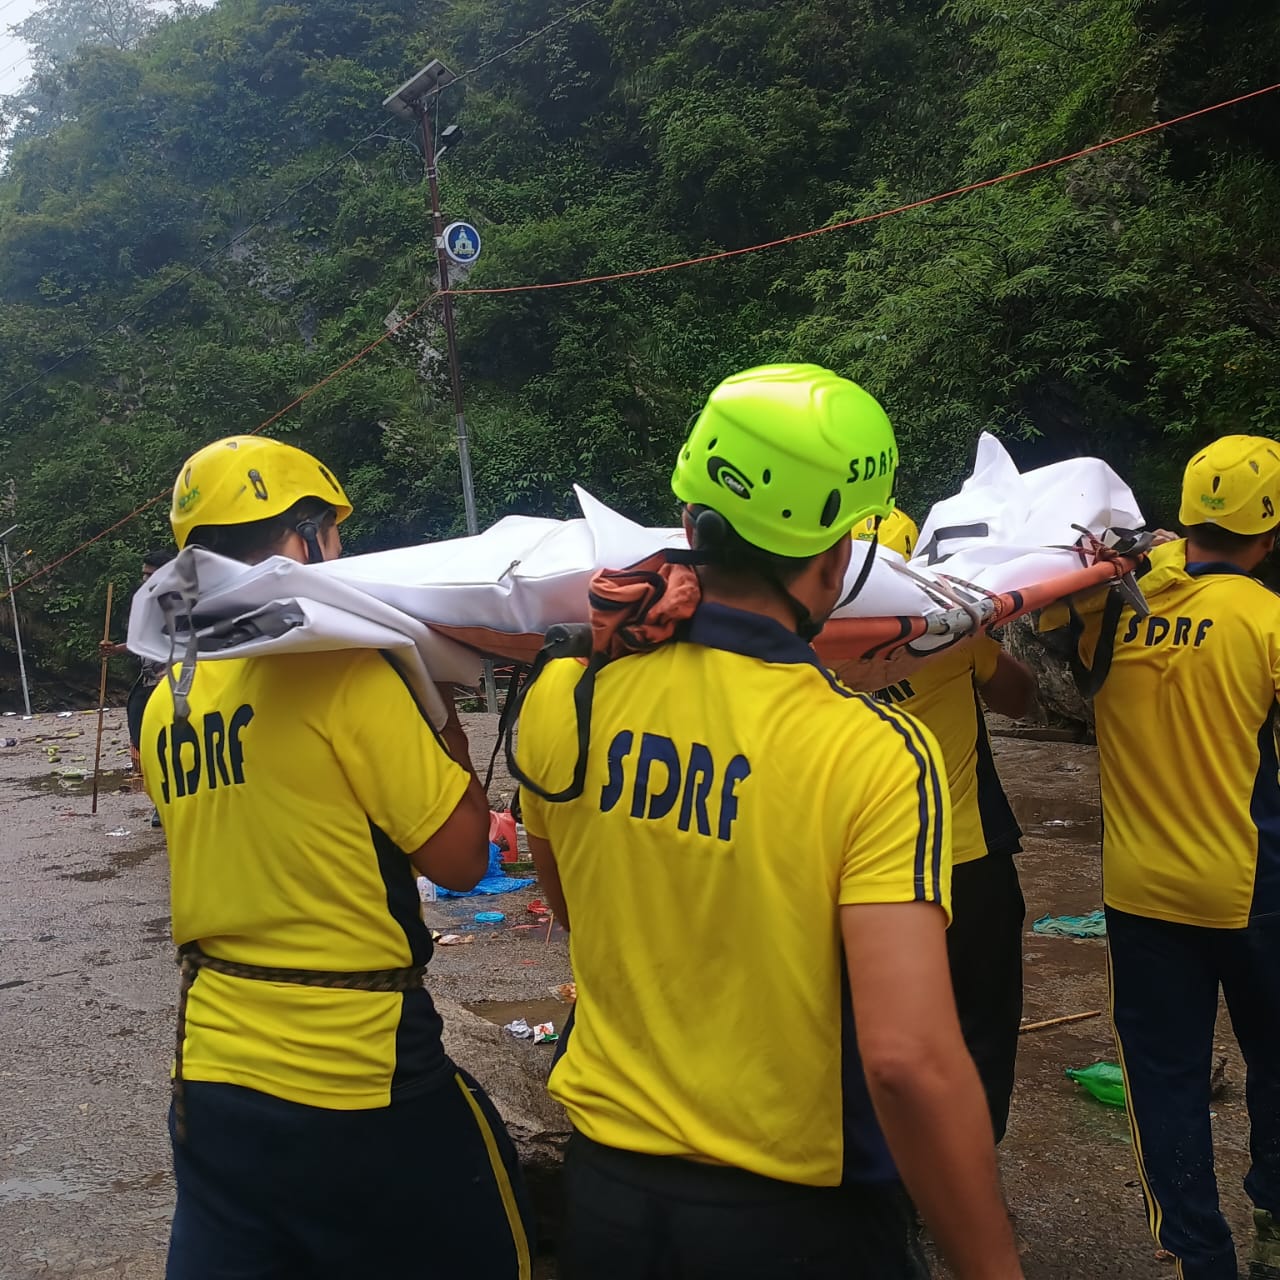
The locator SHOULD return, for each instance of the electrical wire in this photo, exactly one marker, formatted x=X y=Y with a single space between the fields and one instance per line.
x=872 y=217
x=673 y=266
x=258 y=430
x=270 y=213
x=520 y=44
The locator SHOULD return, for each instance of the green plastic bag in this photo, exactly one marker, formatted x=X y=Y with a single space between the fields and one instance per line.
x=1104 y=1080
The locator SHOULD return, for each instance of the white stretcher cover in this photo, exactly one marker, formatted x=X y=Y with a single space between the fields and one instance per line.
x=437 y=607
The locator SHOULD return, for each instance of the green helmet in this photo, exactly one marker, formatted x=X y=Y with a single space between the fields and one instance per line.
x=793 y=456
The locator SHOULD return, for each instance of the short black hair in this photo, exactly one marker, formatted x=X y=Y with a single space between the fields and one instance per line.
x=260 y=538
x=1222 y=541
x=158 y=557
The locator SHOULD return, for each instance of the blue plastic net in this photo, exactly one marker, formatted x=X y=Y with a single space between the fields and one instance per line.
x=495 y=880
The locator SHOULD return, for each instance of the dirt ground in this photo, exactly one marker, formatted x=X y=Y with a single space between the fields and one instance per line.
x=87 y=988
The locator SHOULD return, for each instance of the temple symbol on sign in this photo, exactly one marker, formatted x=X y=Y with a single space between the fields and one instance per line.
x=463 y=245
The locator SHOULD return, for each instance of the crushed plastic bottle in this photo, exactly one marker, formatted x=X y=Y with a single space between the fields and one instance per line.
x=1104 y=1080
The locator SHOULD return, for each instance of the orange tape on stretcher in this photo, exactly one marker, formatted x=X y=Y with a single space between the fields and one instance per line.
x=865 y=653
x=871 y=653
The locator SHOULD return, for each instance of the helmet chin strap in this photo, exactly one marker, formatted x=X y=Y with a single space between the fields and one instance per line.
x=309 y=532
x=807 y=626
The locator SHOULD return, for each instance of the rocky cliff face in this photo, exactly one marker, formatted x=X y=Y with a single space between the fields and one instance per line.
x=1058 y=701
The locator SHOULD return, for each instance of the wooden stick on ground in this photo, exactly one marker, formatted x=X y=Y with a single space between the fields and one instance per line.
x=551 y=924
x=1058 y=1022
x=102 y=697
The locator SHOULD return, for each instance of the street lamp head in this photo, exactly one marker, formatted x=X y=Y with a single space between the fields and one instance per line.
x=449 y=138
x=431 y=79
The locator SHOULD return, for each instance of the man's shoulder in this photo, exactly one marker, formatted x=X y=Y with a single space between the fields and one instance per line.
x=343 y=684
x=1240 y=597
x=321 y=673
x=556 y=680
x=1259 y=596
x=948 y=674
x=862 y=729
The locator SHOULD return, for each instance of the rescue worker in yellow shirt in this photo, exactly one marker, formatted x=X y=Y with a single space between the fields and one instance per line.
x=1186 y=723
x=750 y=844
x=319 y=1128
x=984 y=942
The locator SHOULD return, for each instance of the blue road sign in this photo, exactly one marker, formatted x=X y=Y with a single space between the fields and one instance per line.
x=462 y=243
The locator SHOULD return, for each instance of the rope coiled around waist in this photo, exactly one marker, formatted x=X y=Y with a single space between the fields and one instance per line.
x=191 y=959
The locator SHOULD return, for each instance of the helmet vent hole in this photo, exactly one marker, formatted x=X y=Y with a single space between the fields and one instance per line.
x=1217 y=480
x=1254 y=466
x=786 y=515
x=711 y=444
x=764 y=479
x=830 y=509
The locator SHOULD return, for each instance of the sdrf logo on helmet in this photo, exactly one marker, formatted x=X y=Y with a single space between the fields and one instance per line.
x=246 y=478
x=793 y=456
x=1235 y=484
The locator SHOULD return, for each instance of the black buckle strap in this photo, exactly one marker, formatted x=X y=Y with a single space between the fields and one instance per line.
x=564 y=640
x=1089 y=680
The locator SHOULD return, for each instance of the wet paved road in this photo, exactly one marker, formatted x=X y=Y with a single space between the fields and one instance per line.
x=87 y=987
x=85 y=998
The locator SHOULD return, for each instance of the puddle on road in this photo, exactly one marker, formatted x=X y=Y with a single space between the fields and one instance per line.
x=70 y=1189
x=55 y=784
x=158 y=930
x=532 y=1011
x=1058 y=818
x=145 y=1183
x=52 y=1187
x=119 y=860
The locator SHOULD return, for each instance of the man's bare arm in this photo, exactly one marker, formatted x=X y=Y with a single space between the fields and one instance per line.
x=924 y=1085
x=1011 y=689
x=457 y=855
x=544 y=862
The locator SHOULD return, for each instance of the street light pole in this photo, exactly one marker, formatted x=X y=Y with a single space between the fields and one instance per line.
x=411 y=101
x=17 y=630
x=423 y=113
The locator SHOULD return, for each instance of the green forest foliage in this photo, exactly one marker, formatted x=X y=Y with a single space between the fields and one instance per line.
x=1126 y=304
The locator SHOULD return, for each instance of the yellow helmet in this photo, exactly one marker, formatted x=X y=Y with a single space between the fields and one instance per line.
x=1235 y=484
x=245 y=478
x=898 y=532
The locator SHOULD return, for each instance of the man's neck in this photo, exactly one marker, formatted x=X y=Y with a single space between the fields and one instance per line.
x=764 y=603
x=1245 y=561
